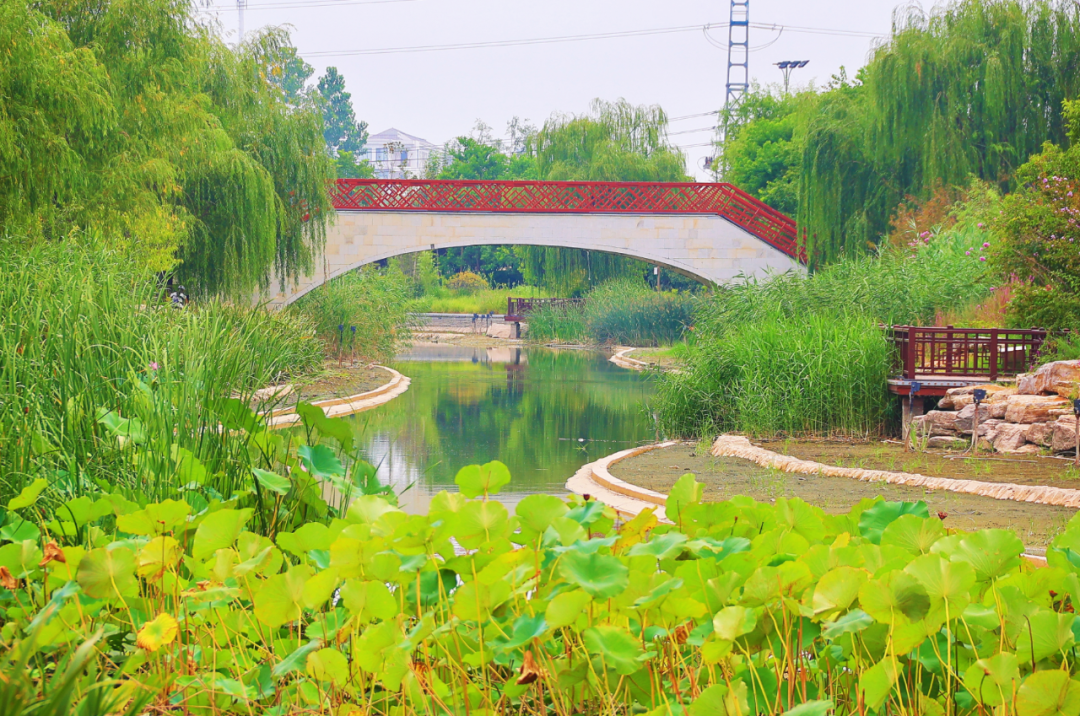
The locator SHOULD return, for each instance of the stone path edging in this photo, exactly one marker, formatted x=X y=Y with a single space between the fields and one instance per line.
x=623 y=360
x=595 y=480
x=336 y=407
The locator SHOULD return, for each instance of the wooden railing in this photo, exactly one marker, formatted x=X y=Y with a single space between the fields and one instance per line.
x=519 y=308
x=948 y=352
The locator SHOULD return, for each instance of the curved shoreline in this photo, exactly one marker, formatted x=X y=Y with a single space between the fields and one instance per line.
x=337 y=407
x=628 y=500
x=622 y=359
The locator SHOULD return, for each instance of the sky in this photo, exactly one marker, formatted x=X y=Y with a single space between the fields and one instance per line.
x=440 y=94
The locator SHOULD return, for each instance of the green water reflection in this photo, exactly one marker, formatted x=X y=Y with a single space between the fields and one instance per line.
x=544 y=413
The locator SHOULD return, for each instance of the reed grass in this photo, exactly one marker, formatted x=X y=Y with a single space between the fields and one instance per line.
x=81 y=332
x=445 y=300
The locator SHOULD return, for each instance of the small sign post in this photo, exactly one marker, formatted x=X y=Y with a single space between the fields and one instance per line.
x=979 y=396
x=1076 y=429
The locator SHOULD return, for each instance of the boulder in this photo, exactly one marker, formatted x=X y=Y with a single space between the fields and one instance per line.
x=1032 y=408
x=1027 y=449
x=940 y=422
x=1040 y=434
x=944 y=442
x=957 y=398
x=966 y=417
x=1064 y=437
x=1060 y=377
x=1009 y=437
x=997 y=410
x=500 y=330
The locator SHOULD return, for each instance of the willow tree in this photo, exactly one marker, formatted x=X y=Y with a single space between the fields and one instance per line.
x=615 y=141
x=132 y=119
x=972 y=88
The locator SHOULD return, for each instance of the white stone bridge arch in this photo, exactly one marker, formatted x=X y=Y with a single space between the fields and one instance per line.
x=712 y=232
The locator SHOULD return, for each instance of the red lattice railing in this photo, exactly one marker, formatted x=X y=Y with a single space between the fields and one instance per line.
x=562 y=197
x=947 y=352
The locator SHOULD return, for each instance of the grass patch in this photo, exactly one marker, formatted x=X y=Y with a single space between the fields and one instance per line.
x=445 y=300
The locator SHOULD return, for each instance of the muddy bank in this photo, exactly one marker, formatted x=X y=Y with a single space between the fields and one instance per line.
x=724 y=478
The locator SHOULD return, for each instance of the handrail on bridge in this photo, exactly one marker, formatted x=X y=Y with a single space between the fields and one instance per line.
x=570 y=197
x=948 y=352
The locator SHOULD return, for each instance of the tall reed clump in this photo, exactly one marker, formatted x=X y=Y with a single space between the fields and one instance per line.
x=804 y=354
x=362 y=314
x=83 y=336
x=622 y=311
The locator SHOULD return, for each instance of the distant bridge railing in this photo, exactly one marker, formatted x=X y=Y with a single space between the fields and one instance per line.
x=565 y=197
x=517 y=309
x=948 y=352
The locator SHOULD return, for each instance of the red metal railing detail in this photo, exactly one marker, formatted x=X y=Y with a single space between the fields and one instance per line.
x=929 y=352
x=559 y=197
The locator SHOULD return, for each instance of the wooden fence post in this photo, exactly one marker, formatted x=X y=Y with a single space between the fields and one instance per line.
x=993 y=354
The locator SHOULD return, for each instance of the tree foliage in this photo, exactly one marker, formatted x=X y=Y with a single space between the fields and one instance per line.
x=133 y=119
x=340 y=127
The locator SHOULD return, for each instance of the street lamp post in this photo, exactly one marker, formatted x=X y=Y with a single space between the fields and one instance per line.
x=787 y=66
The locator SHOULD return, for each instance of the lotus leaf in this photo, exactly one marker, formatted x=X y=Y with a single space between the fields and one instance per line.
x=616 y=647
x=565 y=608
x=811 y=708
x=320 y=461
x=732 y=622
x=992 y=681
x=480 y=522
x=314 y=418
x=272 y=481
x=837 y=589
x=991 y=552
x=1048 y=693
x=368 y=509
x=872 y=522
x=329 y=665
x=296 y=660
x=599 y=575
x=1045 y=633
x=482 y=480
x=28 y=495
x=686 y=491
x=281 y=597
x=896 y=598
x=368 y=601
x=474 y=601
x=218 y=530
x=157 y=633
x=877 y=682
x=913 y=533
x=536 y=513
x=157 y=556
x=19 y=530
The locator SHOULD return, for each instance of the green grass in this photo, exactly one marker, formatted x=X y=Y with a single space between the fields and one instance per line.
x=81 y=334
x=444 y=300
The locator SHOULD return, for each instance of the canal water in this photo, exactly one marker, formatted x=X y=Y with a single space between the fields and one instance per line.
x=544 y=413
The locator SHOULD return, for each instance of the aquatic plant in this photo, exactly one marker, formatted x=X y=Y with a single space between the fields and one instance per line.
x=556 y=608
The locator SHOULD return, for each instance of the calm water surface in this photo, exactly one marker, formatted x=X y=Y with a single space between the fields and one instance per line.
x=544 y=413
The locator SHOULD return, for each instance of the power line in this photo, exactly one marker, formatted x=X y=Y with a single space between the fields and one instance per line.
x=506 y=43
x=691 y=116
x=692 y=131
x=301 y=5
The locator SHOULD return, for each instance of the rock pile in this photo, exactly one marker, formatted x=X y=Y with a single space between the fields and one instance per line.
x=1034 y=414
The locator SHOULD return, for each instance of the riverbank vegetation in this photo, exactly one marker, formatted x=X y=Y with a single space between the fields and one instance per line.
x=806 y=354
x=740 y=607
x=620 y=312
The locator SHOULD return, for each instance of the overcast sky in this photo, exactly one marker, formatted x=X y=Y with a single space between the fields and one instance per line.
x=438 y=95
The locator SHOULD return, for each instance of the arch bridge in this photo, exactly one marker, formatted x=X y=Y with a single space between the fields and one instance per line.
x=712 y=232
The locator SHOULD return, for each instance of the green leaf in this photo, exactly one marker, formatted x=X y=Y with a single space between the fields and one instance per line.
x=329 y=665
x=686 y=492
x=947 y=583
x=108 y=573
x=1048 y=693
x=732 y=622
x=314 y=418
x=296 y=660
x=536 y=513
x=665 y=546
x=368 y=601
x=474 y=601
x=565 y=608
x=853 y=622
x=1044 y=634
x=155 y=519
x=122 y=428
x=320 y=461
x=991 y=681
x=272 y=481
x=477 y=480
x=319 y=588
x=307 y=537
x=837 y=589
x=877 y=682
x=218 y=530
x=526 y=628
x=480 y=522
x=617 y=648
x=599 y=575
x=189 y=470
x=28 y=495
x=281 y=598
x=896 y=598
x=19 y=531
x=811 y=708
x=872 y=522
x=992 y=553
x=913 y=533
x=368 y=509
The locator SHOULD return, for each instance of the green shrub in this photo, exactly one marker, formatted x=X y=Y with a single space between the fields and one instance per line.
x=467 y=282
x=627 y=312
x=557 y=324
x=558 y=608
x=362 y=314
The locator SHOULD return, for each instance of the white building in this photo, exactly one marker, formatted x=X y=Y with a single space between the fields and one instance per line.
x=397 y=155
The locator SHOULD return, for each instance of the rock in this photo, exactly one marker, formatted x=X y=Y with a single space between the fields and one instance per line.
x=944 y=442
x=966 y=417
x=1060 y=377
x=1009 y=437
x=1027 y=449
x=957 y=398
x=1064 y=438
x=997 y=410
x=500 y=330
x=1032 y=408
x=1040 y=434
x=940 y=422
x=272 y=391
